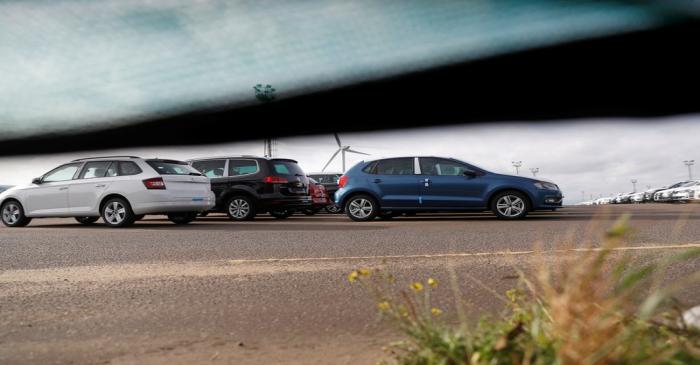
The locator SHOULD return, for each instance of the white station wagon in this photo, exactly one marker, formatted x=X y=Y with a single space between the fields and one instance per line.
x=120 y=190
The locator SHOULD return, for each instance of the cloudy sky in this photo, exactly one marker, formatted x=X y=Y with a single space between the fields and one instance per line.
x=595 y=156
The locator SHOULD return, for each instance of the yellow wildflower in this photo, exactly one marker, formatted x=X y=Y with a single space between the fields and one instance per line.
x=383 y=305
x=352 y=276
x=364 y=272
x=417 y=286
x=432 y=282
x=435 y=311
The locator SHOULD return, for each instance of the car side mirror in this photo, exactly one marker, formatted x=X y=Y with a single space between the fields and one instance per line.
x=36 y=181
x=470 y=173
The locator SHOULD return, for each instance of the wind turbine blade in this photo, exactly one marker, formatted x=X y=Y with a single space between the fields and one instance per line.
x=331 y=160
x=337 y=139
x=358 y=152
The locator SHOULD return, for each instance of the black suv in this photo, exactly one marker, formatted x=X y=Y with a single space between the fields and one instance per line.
x=330 y=182
x=247 y=185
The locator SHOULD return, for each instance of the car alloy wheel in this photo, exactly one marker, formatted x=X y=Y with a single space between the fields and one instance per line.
x=117 y=213
x=11 y=213
x=240 y=208
x=510 y=205
x=361 y=208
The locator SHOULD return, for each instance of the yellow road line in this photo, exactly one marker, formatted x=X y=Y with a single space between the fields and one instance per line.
x=463 y=254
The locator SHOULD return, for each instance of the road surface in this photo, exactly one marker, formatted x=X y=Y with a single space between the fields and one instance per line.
x=275 y=291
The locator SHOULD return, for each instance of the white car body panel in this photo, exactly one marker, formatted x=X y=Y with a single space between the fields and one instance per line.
x=83 y=197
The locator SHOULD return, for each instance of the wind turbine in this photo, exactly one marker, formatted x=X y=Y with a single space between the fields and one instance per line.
x=341 y=149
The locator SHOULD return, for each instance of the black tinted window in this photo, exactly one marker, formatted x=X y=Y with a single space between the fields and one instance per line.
x=326 y=179
x=287 y=168
x=95 y=169
x=242 y=167
x=128 y=168
x=441 y=167
x=210 y=168
x=395 y=166
x=172 y=167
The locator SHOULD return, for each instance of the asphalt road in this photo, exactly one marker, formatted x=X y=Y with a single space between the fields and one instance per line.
x=274 y=291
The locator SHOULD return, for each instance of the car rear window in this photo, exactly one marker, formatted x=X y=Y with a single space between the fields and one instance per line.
x=287 y=168
x=168 y=167
x=210 y=168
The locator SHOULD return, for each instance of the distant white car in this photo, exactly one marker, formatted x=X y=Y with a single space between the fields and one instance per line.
x=687 y=192
x=120 y=190
x=637 y=198
x=666 y=195
x=603 y=201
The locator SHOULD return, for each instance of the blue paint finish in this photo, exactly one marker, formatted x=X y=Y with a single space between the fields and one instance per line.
x=443 y=192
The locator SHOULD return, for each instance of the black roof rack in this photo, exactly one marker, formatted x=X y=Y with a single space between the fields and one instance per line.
x=99 y=157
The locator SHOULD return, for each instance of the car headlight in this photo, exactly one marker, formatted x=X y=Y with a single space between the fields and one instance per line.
x=546 y=185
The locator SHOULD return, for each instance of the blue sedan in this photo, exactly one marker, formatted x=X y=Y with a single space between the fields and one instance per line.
x=387 y=187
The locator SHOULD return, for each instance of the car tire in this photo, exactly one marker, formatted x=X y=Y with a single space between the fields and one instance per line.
x=182 y=218
x=333 y=209
x=240 y=208
x=310 y=211
x=281 y=214
x=87 y=220
x=116 y=212
x=361 y=208
x=510 y=205
x=12 y=214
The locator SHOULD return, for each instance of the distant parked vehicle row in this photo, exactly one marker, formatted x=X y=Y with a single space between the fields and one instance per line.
x=123 y=189
x=684 y=192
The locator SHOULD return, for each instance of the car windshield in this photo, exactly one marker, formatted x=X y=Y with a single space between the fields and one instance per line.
x=173 y=168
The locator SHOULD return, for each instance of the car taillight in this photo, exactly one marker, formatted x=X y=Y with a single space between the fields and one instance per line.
x=275 y=180
x=155 y=183
x=342 y=181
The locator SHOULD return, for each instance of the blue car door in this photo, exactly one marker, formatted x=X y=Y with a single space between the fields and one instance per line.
x=394 y=180
x=444 y=184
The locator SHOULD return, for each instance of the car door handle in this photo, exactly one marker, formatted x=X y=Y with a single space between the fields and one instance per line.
x=63 y=188
x=100 y=185
x=377 y=180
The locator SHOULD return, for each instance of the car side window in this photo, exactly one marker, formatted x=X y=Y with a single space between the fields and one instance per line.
x=395 y=166
x=94 y=169
x=210 y=168
x=441 y=167
x=242 y=167
x=127 y=168
x=61 y=173
x=112 y=170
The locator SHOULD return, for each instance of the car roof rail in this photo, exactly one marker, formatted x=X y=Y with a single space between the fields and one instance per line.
x=102 y=157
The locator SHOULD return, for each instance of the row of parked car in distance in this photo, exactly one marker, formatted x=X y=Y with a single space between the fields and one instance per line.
x=681 y=192
x=122 y=189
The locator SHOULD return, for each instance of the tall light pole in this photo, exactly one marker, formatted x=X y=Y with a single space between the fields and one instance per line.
x=690 y=172
x=534 y=171
x=517 y=165
x=634 y=185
